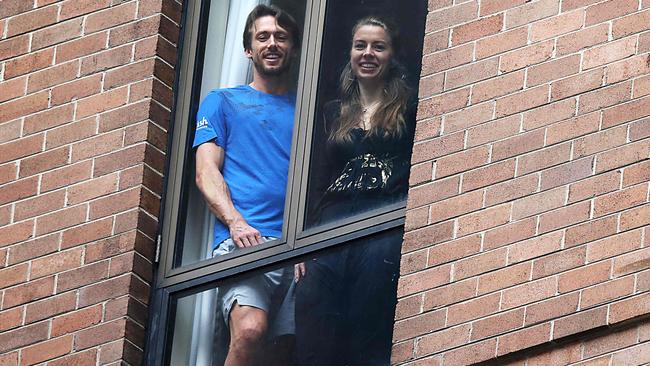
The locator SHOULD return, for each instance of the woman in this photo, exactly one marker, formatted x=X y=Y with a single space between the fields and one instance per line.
x=345 y=302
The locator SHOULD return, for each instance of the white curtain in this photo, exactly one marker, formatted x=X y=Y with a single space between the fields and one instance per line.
x=225 y=65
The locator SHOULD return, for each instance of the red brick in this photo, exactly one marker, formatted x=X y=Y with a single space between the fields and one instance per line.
x=544 y=158
x=52 y=76
x=531 y=12
x=572 y=128
x=110 y=247
x=33 y=249
x=97 y=145
x=462 y=161
x=622 y=113
x=49 y=307
x=13 y=7
x=523 y=339
x=12 y=89
x=614 y=341
x=10 y=319
x=45 y=161
x=466 y=118
x=563 y=217
x=609 y=52
x=128 y=74
x=644 y=42
x=480 y=263
x=578 y=84
x=50 y=118
x=58 y=33
x=10 y=131
x=15 y=233
x=534 y=247
x=31 y=20
x=424 y=280
x=452 y=250
x=433 y=192
x=609 y=10
x=456 y=206
x=549 y=114
x=631 y=263
x=59 y=262
x=446 y=59
x=82 y=276
x=589 y=231
x=23 y=106
x=473 y=309
x=29 y=63
x=522 y=101
x=640 y=130
x=81 y=47
x=46 y=350
x=77 y=320
x=503 y=278
x=402 y=352
x=442 y=340
x=470 y=354
x=631 y=24
x=529 y=292
x=477 y=29
x=584 y=276
x=501 y=42
x=559 y=262
x=14 y=46
x=106 y=60
x=510 y=190
x=527 y=56
x=451 y=16
x=421 y=173
x=72 y=132
x=598 y=142
x=413 y=262
x=120 y=160
x=567 y=173
x=407 y=307
x=483 y=220
x=568 y=5
x=76 y=89
x=18 y=190
x=110 y=17
x=594 y=186
x=580 y=322
x=61 y=219
x=8 y=172
x=136 y=30
x=497 y=87
x=437 y=147
x=39 y=205
x=628 y=68
x=115 y=203
x=607 y=292
x=488 y=175
x=629 y=308
x=614 y=245
x=495 y=6
x=28 y=292
x=13 y=275
x=624 y=155
x=494 y=130
x=471 y=73
x=510 y=233
x=449 y=294
x=431 y=85
x=23 y=336
x=632 y=355
x=636 y=173
x=497 y=324
x=620 y=200
x=582 y=39
x=518 y=145
x=88 y=357
x=101 y=102
x=561 y=24
x=553 y=70
x=561 y=355
x=555 y=307
x=65 y=176
x=71 y=8
x=418 y=325
x=102 y=333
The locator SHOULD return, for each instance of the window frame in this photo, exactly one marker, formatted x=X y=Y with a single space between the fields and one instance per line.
x=171 y=283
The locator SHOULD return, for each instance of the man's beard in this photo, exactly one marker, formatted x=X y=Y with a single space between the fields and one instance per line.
x=274 y=71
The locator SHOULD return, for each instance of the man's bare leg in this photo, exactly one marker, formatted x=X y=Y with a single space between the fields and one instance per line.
x=247 y=329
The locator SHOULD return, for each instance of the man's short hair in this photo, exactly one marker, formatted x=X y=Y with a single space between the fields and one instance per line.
x=284 y=19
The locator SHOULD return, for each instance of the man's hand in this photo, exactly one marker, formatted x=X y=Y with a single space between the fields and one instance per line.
x=244 y=235
x=299 y=271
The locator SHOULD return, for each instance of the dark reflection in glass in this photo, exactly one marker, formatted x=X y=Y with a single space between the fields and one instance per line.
x=364 y=130
x=343 y=313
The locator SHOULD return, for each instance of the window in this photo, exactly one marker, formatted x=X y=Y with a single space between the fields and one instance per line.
x=334 y=238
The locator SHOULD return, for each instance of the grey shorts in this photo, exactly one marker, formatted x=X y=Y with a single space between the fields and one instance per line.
x=272 y=292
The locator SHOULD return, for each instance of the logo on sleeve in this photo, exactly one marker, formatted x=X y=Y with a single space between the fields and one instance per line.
x=203 y=123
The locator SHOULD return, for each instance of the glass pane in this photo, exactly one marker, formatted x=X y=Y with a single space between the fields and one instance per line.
x=255 y=155
x=340 y=312
x=366 y=105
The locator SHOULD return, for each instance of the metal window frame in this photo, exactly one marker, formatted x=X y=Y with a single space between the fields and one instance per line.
x=171 y=283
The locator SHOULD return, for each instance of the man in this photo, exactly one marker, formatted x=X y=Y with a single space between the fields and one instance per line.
x=243 y=143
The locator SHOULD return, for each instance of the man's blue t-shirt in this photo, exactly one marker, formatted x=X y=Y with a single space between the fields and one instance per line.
x=254 y=129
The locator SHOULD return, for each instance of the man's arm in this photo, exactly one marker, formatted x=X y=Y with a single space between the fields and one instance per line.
x=209 y=160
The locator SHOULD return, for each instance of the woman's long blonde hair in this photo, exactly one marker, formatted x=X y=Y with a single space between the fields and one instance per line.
x=389 y=118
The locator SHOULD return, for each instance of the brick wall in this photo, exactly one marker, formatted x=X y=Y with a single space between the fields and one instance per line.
x=85 y=96
x=528 y=212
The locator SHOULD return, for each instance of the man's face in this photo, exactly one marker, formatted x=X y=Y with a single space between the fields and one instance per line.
x=271 y=47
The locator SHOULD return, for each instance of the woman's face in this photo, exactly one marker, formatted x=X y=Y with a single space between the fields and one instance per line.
x=371 y=53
